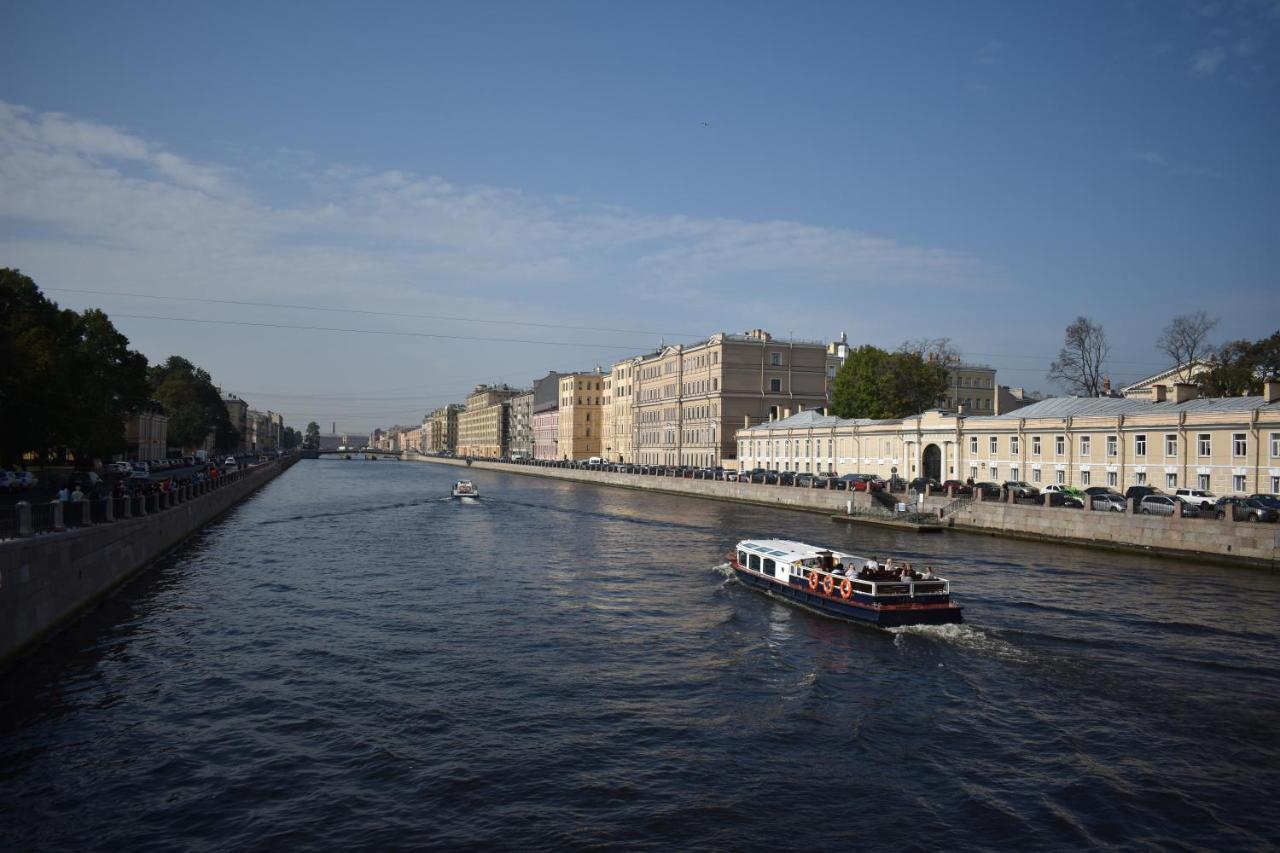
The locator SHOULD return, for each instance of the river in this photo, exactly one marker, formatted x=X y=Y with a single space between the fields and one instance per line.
x=351 y=660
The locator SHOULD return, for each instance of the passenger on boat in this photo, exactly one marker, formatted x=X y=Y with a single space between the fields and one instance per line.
x=928 y=573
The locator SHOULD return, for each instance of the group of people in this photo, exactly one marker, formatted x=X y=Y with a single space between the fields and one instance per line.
x=875 y=570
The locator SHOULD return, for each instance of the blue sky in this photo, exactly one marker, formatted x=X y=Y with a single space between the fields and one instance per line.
x=985 y=172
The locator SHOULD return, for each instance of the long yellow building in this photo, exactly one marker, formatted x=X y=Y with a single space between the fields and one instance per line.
x=1174 y=440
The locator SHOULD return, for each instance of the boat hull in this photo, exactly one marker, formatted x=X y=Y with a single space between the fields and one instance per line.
x=884 y=616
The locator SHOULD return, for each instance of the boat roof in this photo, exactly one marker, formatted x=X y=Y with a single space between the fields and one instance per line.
x=788 y=549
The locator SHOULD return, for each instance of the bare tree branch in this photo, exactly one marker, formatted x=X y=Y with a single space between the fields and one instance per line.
x=1185 y=340
x=1080 y=361
x=940 y=350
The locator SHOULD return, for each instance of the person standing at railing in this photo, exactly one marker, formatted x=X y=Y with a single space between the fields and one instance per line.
x=77 y=495
x=64 y=495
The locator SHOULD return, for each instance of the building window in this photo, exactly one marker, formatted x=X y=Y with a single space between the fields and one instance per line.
x=1111 y=446
x=1111 y=478
x=1275 y=485
x=1204 y=444
x=994 y=445
x=1060 y=445
x=973 y=445
x=1239 y=444
x=1061 y=478
x=1084 y=478
x=995 y=473
x=1084 y=445
x=973 y=472
x=1013 y=474
x=1237 y=483
x=1140 y=445
x=775 y=385
x=1171 y=481
x=1035 y=445
x=1140 y=478
x=1202 y=482
x=1275 y=448
x=1035 y=475
x=1170 y=444
x=1013 y=446
x=775 y=359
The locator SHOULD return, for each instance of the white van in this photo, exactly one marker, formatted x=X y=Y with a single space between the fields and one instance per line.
x=595 y=461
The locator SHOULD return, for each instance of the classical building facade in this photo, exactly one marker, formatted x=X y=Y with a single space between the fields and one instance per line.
x=688 y=400
x=238 y=412
x=581 y=418
x=971 y=389
x=619 y=410
x=546 y=434
x=442 y=435
x=1226 y=445
x=484 y=427
x=545 y=395
x=147 y=432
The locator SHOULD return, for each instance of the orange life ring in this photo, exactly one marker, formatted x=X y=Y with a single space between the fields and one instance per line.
x=828 y=584
x=846 y=588
x=813 y=579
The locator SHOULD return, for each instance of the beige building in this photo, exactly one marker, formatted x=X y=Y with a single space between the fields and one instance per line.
x=619 y=410
x=238 y=412
x=1144 y=389
x=147 y=433
x=1227 y=445
x=688 y=400
x=442 y=434
x=971 y=389
x=581 y=421
x=483 y=428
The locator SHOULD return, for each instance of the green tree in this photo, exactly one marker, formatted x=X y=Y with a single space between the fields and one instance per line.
x=66 y=379
x=290 y=438
x=312 y=438
x=878 y=384
x=192 y=401
x=1242 y=366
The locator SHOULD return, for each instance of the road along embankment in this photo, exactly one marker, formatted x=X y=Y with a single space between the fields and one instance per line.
x=1217 y=540
x=47 y=579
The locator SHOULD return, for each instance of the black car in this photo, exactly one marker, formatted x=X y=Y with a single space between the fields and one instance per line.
x=1245 y=509
x=987 y=490
x=919 y=484
x=1063 y=499
x=787 y=478
x=1140 y=492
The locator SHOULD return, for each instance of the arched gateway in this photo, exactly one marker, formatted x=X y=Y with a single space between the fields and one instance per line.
x=932 y=466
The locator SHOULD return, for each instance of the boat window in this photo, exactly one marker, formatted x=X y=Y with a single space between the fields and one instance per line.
x=742 y=558
x=768 y=567
x=755 y=562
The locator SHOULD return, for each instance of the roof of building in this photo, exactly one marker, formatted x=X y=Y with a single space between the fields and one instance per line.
x=1054 y=407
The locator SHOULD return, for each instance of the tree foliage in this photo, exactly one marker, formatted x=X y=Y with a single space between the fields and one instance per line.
x=1242 y=366
x=311 y=439
x=192 y=401
x=1080 y=363
x=878 y=384
x=1186 y=340
x=66 y=379
x=290 y=438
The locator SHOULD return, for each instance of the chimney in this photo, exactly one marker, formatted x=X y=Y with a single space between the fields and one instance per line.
x=1271 y=390
x=800 y=408
x=1159 y=393
x=1106 y=387
x=1184 y=391
x=786 y=413
x=746 y=421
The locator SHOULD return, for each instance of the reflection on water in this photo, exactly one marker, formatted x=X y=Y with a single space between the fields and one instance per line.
x=353 y=659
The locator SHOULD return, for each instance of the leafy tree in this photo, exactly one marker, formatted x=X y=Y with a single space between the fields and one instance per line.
x=290 y=438
x=66 y=379
x=878 y=384
x=1242 y=366
x=192 y=401
x=312 y=439
x=1080 y=361
x=1186 y=340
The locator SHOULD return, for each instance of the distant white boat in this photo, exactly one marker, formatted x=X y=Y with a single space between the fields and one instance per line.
x=465 y=489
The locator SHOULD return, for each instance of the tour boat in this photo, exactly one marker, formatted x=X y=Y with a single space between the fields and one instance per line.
x=465 y=489
x=843 y=585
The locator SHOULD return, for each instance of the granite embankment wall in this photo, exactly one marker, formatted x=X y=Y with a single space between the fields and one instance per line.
x=46 y=579
x=1223 y=541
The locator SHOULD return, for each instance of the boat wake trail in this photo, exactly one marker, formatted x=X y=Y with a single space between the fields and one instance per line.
x=724 y=569
x=965 y=637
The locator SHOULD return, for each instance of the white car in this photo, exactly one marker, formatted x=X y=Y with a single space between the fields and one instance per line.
x=120 y=467
x=1196 y=497
x=230 y=464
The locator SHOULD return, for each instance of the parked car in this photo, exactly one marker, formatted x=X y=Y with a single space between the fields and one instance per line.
x=805 y=481
x=1165 y=505
x=987 y=490
x=1140 y=492
x=1196 y=497
x=1108 y=502
x=1063 y=499
x=25 y=480
x=8 y=480
x=1245 y=509
x=1272 y=501
x=1021 y=489
x=919 y=484
x=957 y=487
x=120 y=467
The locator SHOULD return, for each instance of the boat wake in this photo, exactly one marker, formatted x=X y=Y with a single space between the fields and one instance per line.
x=962 y=636
x=723 y=569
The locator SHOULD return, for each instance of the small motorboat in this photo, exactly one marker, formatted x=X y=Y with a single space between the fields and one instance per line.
x=465 y=489
x=886 y=592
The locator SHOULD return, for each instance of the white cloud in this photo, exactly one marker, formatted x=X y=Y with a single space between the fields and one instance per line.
x=112 y=200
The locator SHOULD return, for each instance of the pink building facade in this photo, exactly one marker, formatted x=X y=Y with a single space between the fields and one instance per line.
x=546 y=434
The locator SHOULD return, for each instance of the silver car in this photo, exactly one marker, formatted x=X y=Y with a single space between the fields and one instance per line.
x=1108 y=503
x=1165 y=505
